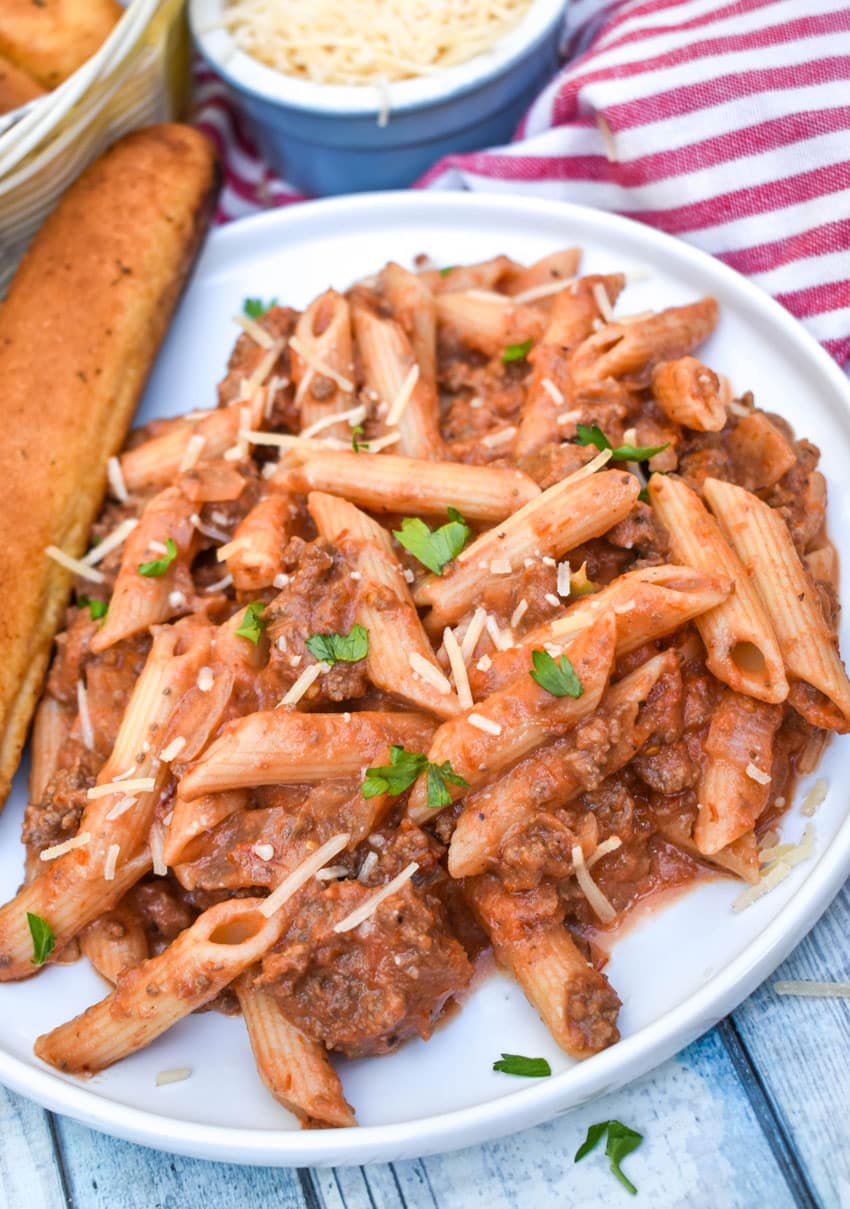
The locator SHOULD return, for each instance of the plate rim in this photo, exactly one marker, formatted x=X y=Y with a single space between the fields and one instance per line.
x=631 y=1057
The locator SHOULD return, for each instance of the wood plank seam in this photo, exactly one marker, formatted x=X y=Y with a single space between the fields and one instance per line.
x=770 y=1119
x=312 y=1197
x=59 y=1158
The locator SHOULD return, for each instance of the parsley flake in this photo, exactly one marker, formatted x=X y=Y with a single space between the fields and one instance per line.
x=356 y=432
x=252 y=623
x=402 y=771
x=43 y=939
x=448 y=269
x=340 y=648
x=621 y=1142
x=97 y=608
x=434 y=548
x=516 y=352
x=623 y=453
x=527 y=1068
x=255 y=308
x=559 y=678
x=158 y=566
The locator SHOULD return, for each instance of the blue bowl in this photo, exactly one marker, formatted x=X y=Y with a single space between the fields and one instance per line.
x=327 y=139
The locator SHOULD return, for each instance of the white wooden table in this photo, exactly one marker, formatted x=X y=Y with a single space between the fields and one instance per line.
x=757 y=1113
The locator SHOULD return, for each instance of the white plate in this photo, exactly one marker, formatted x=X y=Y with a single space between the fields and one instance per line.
x=678 y=972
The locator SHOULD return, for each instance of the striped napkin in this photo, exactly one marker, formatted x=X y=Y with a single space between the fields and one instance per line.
x=726 y=124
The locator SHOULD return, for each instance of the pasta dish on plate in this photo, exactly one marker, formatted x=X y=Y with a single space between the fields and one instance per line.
x=474 y=615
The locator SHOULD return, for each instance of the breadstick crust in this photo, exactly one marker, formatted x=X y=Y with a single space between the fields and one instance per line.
x=50 y=39
x=16 y=87
x=79 y=332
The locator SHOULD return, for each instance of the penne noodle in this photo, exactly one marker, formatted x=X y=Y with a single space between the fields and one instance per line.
x=400 y=659
x=819 y=690
x=489 y=323
x=518 y=718
x=742 y=650
x=114 y=942
x=323 y=341
x=140 y=601
x=688 y=393
x=734 y=785
x=760 y=453
x=555 y=522
x=559 y=266
x=554 y=774
x=262 y=535
x=406 y=485
x=191 y=821
x=295 y=1069
x=413 y=307
x=149 y=999
x=575 y=1001
x=485 y=275
x=50 y=731
x=388 y=367
x=283 y=747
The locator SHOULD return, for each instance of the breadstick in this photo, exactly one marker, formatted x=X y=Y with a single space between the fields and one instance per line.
x=79 y=330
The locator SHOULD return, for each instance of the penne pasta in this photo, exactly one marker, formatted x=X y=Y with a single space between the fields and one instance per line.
x=406 y=485
x=400 y=659
x=295 y=1069
x=515 y=720
x=688 y=392
x=552 y=524
x=323 y=364
x=742 y=650
x=259 y=540
x=413 y=307
x=488 y=322
x=560 y=266
x=115 y=942
x=149 y=999
x=819 y=690
x=280 y=747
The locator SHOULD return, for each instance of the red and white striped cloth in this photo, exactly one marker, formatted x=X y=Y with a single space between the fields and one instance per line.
x=726 y=124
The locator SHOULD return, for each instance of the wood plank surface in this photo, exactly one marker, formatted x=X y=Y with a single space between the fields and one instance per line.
x=30 y=1174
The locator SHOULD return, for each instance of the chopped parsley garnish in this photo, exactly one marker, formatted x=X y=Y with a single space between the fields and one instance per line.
x=252 y=623
x=158 y=566
x=434 y=548
x=97 y=608
x=586 y=435
x=448 y=269
x=402 y=771
x=581 y=584
x=516 y=352
x=528 y=1068
x=559 y=678
x=621 y=1142
x=340 y=648
x=43 y=939
x=355 y=433
x=255 y=308
x=438 y=791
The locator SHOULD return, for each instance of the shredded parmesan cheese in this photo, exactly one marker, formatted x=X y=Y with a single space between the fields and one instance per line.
x=500 y=566
x=220 y=584
x=111 y=542
x=428 y=672
x=173 y=750
x=757 y=774
x=299 y=876
x=137 y=784
x=598 y=902
x=303 y=683
x=363 y=912
x=814 y=797
x=600 y=297
x=176 y=1075
x=384 y=442
x=403 y=397
x=544 y=291
x=251 y=385
x=484 y=663
x=503 y=437
x=115 y=475
x=501 y=640
x=75 y=565
x=473 y=632
x=369 y=863
x=111 y=862
x=589 y=468
x=331 y=873
x=86 y=730
x=813 y=990
x=257 y=333
x=57 y=850
x=320 y=367
x=194 y=449
x=569 y=417
x=519 y=612
x=458 y=666
x=486 y=724
x=562 y=582
x=206 y=677
x=264 y=851
x=553 y=600
x=780 y=862
x=610 y=845
x=352 y=417
x=552 y=391
x=157 y=840
x=121 y=807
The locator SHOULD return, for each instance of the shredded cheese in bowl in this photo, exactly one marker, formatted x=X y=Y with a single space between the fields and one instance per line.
x=372 y=42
